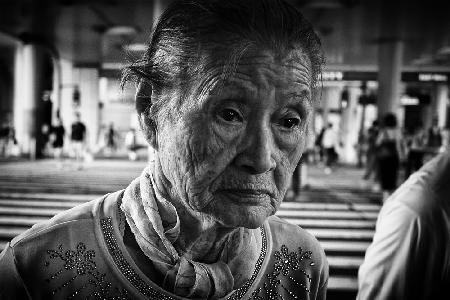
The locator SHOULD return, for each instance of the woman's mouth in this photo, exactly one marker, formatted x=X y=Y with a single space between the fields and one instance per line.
x=247 y=196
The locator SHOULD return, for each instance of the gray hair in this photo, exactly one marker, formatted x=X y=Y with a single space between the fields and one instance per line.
x=223 y=30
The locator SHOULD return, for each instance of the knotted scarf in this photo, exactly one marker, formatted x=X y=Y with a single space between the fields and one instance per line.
x=155 y=224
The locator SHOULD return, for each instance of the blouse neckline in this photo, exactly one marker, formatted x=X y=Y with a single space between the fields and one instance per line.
x=110 y=235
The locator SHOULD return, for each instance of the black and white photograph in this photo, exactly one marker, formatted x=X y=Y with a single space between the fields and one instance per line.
x=225 y=149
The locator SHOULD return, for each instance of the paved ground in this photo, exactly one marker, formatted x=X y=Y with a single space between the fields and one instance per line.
x=339 y=209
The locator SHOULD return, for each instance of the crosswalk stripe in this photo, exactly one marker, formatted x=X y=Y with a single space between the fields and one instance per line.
x=340 y=283
x=344 y=262
x=344 y=234
x=37 y=203
x=344 y=246
x=27 y=221
x=19 y=211
x=329 y=206
x=49 y=196
x=8 y=232
x=94 y=183
x=324 y=223
x=327 y=214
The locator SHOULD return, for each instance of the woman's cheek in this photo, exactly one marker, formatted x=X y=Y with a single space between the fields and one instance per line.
x=216 y=156
x=291 y=147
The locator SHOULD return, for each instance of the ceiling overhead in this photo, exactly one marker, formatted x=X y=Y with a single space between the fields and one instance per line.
x=113 y=32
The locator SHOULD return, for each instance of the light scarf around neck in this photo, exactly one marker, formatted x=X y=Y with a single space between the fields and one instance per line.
x=155 y=224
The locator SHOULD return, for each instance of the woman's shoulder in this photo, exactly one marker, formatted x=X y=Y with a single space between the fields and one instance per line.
x=66 y=246
x=294 y=237
x=72 y=221
x=296 y=261
x=66 y=227
x=284 y=229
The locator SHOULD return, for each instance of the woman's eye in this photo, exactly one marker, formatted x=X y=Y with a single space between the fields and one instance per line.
x=289 y=123
x=230 y=115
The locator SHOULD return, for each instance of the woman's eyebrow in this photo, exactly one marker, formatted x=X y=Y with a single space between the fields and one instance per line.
x=298 y=94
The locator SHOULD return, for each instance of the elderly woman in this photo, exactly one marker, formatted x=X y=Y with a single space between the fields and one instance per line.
x=224 y=98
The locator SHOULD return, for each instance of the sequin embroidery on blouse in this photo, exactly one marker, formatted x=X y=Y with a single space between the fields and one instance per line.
x=81 y=261
x=285 y=270
x=151 y=293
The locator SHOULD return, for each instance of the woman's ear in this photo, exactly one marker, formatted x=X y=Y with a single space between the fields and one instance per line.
x=144 y=101
x=148 y=127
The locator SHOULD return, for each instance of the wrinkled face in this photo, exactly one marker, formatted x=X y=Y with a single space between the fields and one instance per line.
x=233 y=150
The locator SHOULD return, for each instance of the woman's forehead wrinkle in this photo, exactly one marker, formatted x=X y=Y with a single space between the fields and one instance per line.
x=298 y=94
x=255 y=71
x=207 y=82
x=302 y=76
x=240 y=83
x=300 y=63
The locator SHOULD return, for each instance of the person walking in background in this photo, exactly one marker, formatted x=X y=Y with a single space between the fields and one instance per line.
x=372 y=134
x=329 y=143
x=389 y=153
x=8 y=142
x=319 y=146
x=4 y=139
x=409 y=257
x=45 y=111
x=77 y=138
x=434 y=135
x=415 y=144
x=111 y=138
x=58 y=131
x=107 y=144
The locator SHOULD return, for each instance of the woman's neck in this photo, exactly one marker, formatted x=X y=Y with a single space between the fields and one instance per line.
x=201 y=237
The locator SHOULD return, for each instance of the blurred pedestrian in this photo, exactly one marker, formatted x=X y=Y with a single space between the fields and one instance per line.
x=8 y=142
x=111 y=138
x=78 y=137
x=372 y=134
x=45 y=133
x=57 y=133
x=434 y=135
x=389 y=152
x=319 y=146
x=45 y=111
x=409 y=257
x=107 y=144
x=330 y=143
x=4 y=139
x=415 y=151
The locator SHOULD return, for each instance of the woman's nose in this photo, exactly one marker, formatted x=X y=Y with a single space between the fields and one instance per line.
x=258 y=155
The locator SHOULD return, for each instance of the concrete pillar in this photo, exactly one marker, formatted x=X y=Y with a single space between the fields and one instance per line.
x=331 y=98
x=350 y=126
x=390 y=56
x=28 y=88
x=440 y=103
x=7 y=79
x=57 y=82
x=325 y=108
x=66 y=88
x=87 y=80
x=427 y=113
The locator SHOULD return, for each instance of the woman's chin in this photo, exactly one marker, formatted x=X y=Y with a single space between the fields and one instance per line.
x=232 y=215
